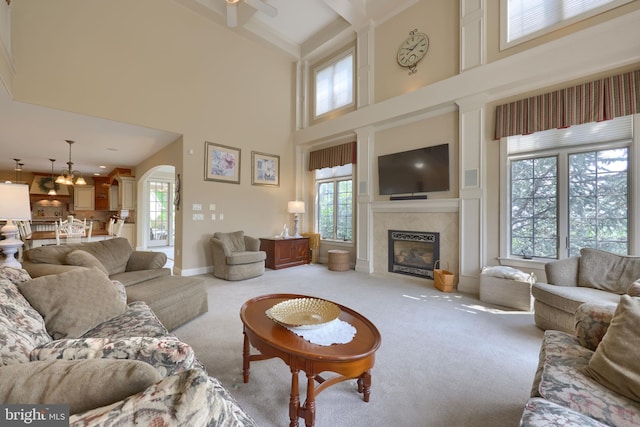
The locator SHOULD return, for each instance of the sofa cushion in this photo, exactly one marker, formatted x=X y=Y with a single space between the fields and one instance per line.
x=233 y=242
x=137 y=321
x=129 y=278
x=82 y=258
x=542 y=413
x=73 y=302
x=615 y=362
x=634 y=289
x=112 y=253
x=245 y=257
x=83 y=385
x=592 y=321
x=54 y=254
x=569 y=298
x=22 y=328
x=167 y=355
x=607 y=271
x=190 y=398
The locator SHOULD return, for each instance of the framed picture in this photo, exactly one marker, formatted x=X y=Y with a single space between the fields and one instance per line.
x=265 y=169
x=221 y=163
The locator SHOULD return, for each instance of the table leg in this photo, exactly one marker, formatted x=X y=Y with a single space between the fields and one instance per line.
x=294 y=402
x=310 y=404
x=364 y=385
x=245 y=358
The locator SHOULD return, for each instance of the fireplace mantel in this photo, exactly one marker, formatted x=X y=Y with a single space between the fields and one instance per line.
x=426 y=206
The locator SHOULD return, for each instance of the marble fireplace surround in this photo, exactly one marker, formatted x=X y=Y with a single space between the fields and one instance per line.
x=432 y=215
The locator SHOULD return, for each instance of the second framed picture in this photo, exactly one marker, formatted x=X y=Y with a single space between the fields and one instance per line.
x=222 y=163
x=265 y=169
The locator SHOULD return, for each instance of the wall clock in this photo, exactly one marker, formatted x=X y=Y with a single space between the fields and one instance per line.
x=412 y=50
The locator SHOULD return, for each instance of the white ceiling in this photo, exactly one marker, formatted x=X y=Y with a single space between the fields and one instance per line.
x=299 y=29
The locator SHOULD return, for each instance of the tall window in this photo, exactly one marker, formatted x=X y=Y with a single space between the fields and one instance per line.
x=334 y=88
x=569 y=189
x=334 y=192
x=523 y=20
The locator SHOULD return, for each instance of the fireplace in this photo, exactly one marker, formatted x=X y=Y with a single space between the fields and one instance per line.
x=413 y=252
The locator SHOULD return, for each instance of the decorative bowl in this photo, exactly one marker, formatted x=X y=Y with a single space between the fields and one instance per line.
x=304 y=313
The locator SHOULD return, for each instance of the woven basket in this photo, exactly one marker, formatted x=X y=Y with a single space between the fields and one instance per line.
x=443 y=280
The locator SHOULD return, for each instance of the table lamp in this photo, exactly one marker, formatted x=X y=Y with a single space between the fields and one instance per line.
x=296 y=208
x=14 y=205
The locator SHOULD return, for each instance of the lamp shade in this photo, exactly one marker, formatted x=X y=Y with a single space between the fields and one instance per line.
x=14 y=202
x=296 y=207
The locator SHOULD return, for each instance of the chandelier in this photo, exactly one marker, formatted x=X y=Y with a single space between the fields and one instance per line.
x=70 y=176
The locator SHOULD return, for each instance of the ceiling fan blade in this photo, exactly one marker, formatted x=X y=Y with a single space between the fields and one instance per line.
x=232 y=15
x=263 y=7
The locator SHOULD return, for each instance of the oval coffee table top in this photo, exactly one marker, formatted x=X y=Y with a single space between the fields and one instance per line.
x=364 y=343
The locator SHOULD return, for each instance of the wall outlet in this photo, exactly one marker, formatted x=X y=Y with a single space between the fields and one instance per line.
x=198 y=217
x=213 y=217
x=221 y=216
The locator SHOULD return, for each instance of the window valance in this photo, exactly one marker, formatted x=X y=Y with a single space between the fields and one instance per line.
x=595 y=101
x=329 y=157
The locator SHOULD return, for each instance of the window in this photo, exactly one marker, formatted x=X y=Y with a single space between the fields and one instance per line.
x=569 y=189
x=334 y=203
x=333 y=84
x=523 y=20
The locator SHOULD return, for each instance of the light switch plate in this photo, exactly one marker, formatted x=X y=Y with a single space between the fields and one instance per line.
x=197 y=207
x=212 y=206
x=198 y=217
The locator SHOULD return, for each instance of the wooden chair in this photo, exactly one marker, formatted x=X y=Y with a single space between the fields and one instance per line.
x=114 y=228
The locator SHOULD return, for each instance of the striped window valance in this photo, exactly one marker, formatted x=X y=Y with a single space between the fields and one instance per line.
x=599 y=100
x=329 y=157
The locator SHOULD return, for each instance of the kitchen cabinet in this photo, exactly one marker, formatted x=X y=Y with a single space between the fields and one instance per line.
x=129 y=232
x=102 y=193
x=126 y=193
x=283 y=253
x=83 y=198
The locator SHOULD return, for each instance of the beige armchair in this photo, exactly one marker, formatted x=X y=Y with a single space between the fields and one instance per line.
x=236 y=256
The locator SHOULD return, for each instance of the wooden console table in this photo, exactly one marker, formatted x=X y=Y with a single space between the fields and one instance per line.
x=283 y=253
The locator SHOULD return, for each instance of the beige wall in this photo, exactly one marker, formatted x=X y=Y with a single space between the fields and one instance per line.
x=424 y=133
x=439 y=20
x=158 y=64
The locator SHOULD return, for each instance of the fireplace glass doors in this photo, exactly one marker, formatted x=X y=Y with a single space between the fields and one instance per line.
x=413 y=252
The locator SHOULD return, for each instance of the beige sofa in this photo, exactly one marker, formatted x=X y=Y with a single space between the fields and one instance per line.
x=174 y=299
x=593 y=277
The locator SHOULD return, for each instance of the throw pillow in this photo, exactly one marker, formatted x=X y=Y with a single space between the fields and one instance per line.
x=73 y=302
x=81 y=384
x=84 y=259
x=634 y=289
x=607 y=271
x=615 y=362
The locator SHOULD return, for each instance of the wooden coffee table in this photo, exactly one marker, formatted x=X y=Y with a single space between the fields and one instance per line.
x=350 y=361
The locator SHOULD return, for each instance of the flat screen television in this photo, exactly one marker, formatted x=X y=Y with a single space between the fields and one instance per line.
x=416 y=171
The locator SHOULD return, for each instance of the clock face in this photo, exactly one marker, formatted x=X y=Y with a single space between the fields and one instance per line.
x=413 y=49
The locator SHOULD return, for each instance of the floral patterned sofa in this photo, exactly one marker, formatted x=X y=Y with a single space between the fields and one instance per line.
x=112 y=363
x=592 y=377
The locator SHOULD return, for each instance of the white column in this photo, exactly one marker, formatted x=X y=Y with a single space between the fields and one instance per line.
x=364 y=65
x=472 y=34
x=363 y=189
x=472 y=190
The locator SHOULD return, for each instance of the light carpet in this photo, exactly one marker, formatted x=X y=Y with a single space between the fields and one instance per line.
x=446 y=359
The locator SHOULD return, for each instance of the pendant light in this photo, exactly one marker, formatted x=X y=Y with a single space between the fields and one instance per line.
x=68 y=176
x=52 y=191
